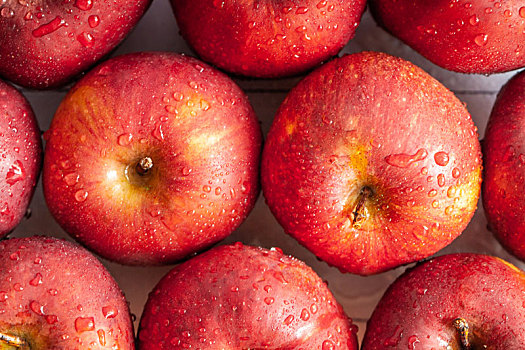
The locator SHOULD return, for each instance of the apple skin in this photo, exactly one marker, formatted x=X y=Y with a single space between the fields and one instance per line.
x=482 y=36
x=373 y=129
x=45 y=44
x=504 y=172
x=419 y=308
x=21 y=149
x=242 y=297
x=56 y=295
x=267 y=39
x=195 y=124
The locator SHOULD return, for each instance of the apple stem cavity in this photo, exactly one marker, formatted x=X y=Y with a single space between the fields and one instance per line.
x=462 y=327
x=14 y=341
x=144 y=166
x=359 y=211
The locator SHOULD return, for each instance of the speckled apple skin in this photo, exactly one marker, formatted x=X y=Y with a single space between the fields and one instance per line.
x=376 y=121
x=418 y=309
x=21 y=151
x=62 y=295
x=483 y=36
x=45 y=44
x=242 y=297
x=201 y=133
x=267 y=38
x=504 y=161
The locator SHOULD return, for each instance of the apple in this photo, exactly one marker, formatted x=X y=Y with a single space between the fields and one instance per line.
x=21 y=150
x=44 y=44
x=504 y=162
x=456 y=301
x=483 y=36
x=152 y=157
x=243 y=297
x=371 y=163
x=56 y=295
x=267 y=38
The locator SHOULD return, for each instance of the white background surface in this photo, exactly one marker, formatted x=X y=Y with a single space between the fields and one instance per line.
x=358 y=295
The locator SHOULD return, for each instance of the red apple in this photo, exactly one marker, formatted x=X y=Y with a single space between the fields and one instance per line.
x=241 y=297
x=371 y=163
x=56 y=295
x=267 y=38
x=504 y=161
x=483 y=36
x=152 y=157
x=44 y=44
x=21 y=149
x=456 y=302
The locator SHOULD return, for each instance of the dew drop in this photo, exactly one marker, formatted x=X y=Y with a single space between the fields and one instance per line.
x=522 y=12
x=49 y=28
x=269 y=300
x=15 y=173
x=51 y=319
x=84 y=5
x=101 y=337
x=441 y=158
x=186 y=171
x=3 y=297
x=288 y=320
x=109 y=312
x=157 y=132
x=124 y=139
x=481 y=39
x=81 y=195
x=93 y=21
x=328 y=345
x=441 y=180
x=455 y=173
x=305 y=315
x=86 y=39
x=36 y=308
x=37 y=280
x=84 y=324
x=474 y=20
x=403 y=160
x=15 y=256
x=71 y=179
x=6 y=12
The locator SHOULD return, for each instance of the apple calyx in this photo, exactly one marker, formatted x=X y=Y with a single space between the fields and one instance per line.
x=13 y=341
x=462 y=327
x=360 y=213
x=144 y=166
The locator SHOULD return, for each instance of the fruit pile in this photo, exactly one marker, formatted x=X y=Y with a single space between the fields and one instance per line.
x=154 y=161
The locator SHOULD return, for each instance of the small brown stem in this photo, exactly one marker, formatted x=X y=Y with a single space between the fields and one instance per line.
x=144 y=166
x=462 y=327
x=13 y=340
x=359 y=211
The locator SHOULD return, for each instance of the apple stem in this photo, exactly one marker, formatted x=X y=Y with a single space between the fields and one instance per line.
x=13 y=340
x=462 y=327
x=359 y=210
x=144 y=166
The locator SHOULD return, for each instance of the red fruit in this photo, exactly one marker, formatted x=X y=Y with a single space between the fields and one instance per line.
x=21 y=149
x=451 y=302
x=504 y=159
x=483 y=36
x=45 y=44
x=152 y=157
x=371 y=163
x=56 y=295
x=240 y=297
x=267 y=38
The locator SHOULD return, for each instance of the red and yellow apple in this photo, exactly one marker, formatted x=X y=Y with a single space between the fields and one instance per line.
x=241 y=297
x=483 y=36
x=267 y=38
x=371 y=163
x=152 y=157
x=21 y=149
x=504 y=167
x=56 y=295
x=44 y=44
x=456 y=302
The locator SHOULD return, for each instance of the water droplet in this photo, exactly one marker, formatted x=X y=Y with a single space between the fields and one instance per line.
x=395 y=338
x=206 y=188
x=288 y=320
x=53 y=292
x=328 y=345
x=157 y=132
x=109 y=312
x=186 y=171
x=473 y=20
x=71 y=179
x=455 y=173
x=49 y=28
x=81 y=195
x=412 y=341
x=449 y=209
x=4 y=297
x=86 y=39
x=15 y=173
x=507 y=13
x=51 y=319
x=313 y=308
x=101 y=337
x=6 y=12
x=178 y=96
x=84 y=324
x=84 y=5
x=15 y=256
x=305 y=315
x=481 y=39
x=36 y=308
x=441 y=180
x=522 y=12
x=403 y=160
x=37 y=280
x=269 y=300
x=93 y=21
x=441 y=158
x=124 y=139
x=432 y=193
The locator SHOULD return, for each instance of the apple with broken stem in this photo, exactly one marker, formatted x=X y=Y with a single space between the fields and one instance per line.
x=44 y=44
x=504 y=167
x=456 y=302
x=464 y=36
x=56 y=295
x=152 y=157
x=371 y=163
x=243 y=297
x=21 y=149
x=267 y=38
